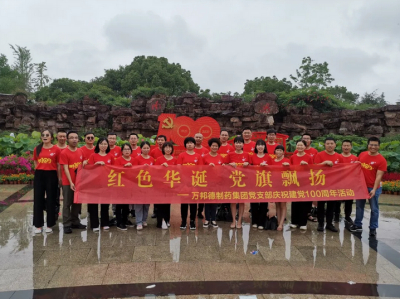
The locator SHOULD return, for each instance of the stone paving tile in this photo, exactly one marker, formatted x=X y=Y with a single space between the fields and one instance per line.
x=281 y=253
x=108 y=255
x=230 y=255
x=27 y=196
x=289 y=296
x=134 y=238
x=320 y=274
x=273 y=273
x=183 y=271
x=63 y=257
x=130 y=273
x=215 y=271
x=203 y=253
x=7 y=190
x=23 y=259
x=151 y=254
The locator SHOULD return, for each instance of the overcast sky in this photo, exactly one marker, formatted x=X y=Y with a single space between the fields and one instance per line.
x=222 y=43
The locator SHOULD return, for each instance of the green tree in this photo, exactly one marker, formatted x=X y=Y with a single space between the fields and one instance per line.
x=8 y=77
x=373 y=99
x=41 y=79
x=266 y=84
x=342 y=94
x=312 y=74
x=24 y=66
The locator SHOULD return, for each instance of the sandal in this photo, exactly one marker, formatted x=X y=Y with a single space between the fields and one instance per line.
x=233 y=225
x=238 y=226
x=311 y=218
x=280 y=227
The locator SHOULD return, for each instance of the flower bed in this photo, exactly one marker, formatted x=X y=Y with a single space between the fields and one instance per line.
x=15 y=165
x=391 y=187
x=391 y=176
x=21 y=178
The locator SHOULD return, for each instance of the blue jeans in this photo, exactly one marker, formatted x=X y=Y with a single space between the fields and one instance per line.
x=374 y=204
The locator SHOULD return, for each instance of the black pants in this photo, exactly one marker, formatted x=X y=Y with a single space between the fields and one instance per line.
x=211 y=211
x=163 y=211
x=201 y=208
x=300 y=212
x=121 y=213
x=348 y=207
x=258 y=213
x=45 y=182
x=330 y=206
x=58 y=200
x=184 y=211
x=93 y=210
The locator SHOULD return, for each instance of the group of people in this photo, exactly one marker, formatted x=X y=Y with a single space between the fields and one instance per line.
x=56 y=167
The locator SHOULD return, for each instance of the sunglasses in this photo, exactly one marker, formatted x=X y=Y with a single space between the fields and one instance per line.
x=45 y=135
x=89 y=138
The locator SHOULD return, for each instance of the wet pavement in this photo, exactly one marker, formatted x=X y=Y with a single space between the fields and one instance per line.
x=213 y=262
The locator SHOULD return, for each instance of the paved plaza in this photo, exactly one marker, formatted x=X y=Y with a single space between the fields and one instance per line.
x=205 y=263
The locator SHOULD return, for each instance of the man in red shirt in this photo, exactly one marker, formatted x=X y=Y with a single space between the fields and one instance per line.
x=61 y=139
x=309 y=150
x=157 y=152
x=115 y=150
x=225 y=148
x=133 y=141
x=88 y=148
x=248 y=146
x=327 y=157
x=199 y=148
x=61 y=144
x=70 y=159
x=271 y=144
x=373 y=166
x=348 y=204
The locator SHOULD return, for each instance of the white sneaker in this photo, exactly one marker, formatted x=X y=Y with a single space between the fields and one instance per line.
x=164 y=225
x=139 y=227
x=144 y=223
x=254 y=225
x=96 y=230
x=304 y=227
x=106 y=227
x=260 y=227
x=168 y=224
x=48 y=230
x=293 y=225
x=38 y=230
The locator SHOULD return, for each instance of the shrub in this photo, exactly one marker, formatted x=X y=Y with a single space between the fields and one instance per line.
x=15 y=165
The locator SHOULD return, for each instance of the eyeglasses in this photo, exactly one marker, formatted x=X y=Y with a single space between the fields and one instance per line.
x=45 y=135
x=89 y=138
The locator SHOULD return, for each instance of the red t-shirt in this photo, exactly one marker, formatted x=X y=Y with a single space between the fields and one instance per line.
x=349 y=159
x=73 y=160
x=156 y=152
x=115 y=152
x=217 y=160
x=296 y=160
x=256 y=160
x=249 y=147
x=311 y=152
x=48 y=158
x=186 y=159
x=161 y=160
x=324 y=156
x=239 y=159
x=370 y=166
x=136 y=152
x=201 y=151
x=224 y=150
x=108 y=159
x=139 y=160
x=86 y=152
x=120 y=161
x=61 y=149
x=271 y=148
x=280 y=162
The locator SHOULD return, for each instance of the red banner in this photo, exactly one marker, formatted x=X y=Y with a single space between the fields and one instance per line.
x=221 y=184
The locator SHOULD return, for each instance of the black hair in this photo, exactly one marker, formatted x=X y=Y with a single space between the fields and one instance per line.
x=144 y=143
x=88 y=133
x=330 y=138
x=279 y=147
x=72 y=132
x=61 y=131
x=214 y=140
x=124 y=145
x=133 y=134
x=162 y=136
x=238 y=139
x=246 y=128
x=346 y=140
x=373 y=138
x=271 y=131
x=302 y=141
x=189 y=139
x=112 y=134
x=260 y=142
x=224 y=131
x=167 y=144
x=40 y=146
x=306 y=134
x=97 y=148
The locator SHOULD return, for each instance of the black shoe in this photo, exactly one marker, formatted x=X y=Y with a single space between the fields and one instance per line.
x=337 y=218
x=112 y=222
x=349 y=220
x=183 y=225
x=129 y=223
x=320 y=227
x=67 y=230
x=355 y=228
x=122 y=227
x=133 y=213
x=78 y=226
x=200 y=216
x=331 y=228
x=153 y=215
x=192 y=225
x=372 y=232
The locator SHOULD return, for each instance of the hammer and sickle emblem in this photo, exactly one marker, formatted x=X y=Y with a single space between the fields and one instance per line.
x=168 y=123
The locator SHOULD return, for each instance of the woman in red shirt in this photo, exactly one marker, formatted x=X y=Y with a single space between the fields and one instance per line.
x=280 y=206
x=101 y=156
x=45 y=157
x=142 y=210
x=213 y=159
x=163 y=211
x=189 y=158
x=122 y=210
x=235 y=159
x=300 y=209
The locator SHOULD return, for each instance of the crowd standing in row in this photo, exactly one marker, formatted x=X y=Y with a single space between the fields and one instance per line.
x=56 y=167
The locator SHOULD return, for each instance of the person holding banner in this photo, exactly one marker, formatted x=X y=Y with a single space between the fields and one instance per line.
x=157 y=152
x=115 y=150
x=101 y=156
x=281 y=209
x=327 y=157
x=235 y=159
x=122 y=210
x=373 y=166
x=300 y=209
x=163 y=211
x=61 y=144
x=225 y=148
x=213 y=159
x=259 y=209
x=202 y=151
x=248 y=144
x=133 y=141
x=142 y=210
x=45 y=158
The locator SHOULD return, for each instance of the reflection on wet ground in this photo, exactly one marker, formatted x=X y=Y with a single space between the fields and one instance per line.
x=216 y=261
